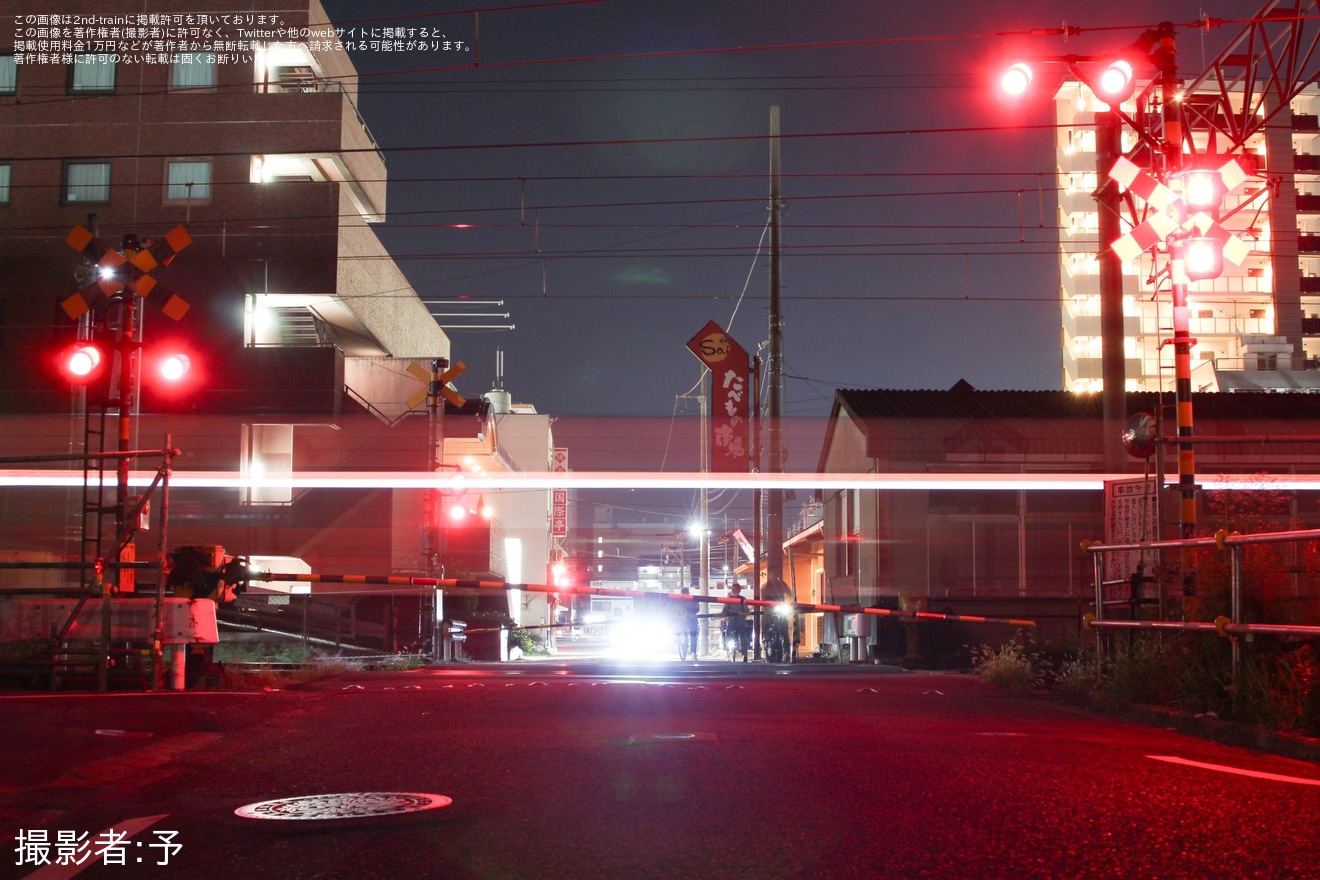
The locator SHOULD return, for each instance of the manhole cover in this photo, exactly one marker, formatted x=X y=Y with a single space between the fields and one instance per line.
x=349 y=805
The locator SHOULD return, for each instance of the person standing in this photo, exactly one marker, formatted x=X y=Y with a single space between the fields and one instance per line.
x=687 y=627
x=736 y=623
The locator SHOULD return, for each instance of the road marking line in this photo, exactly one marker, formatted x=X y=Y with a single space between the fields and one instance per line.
x=641 y=739
x=1237 y=771
x=128 y=827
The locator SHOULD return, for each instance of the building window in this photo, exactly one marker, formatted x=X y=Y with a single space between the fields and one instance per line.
x=847 y=548
x=286 y=67
x=193 y=70
x=92 y=73
x=188 y=180
x=4 y=183
x=86 y=182
x=8 y=74
x=267 y=451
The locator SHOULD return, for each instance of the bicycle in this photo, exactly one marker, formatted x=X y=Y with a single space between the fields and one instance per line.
x=734 y=635
x=687 y=644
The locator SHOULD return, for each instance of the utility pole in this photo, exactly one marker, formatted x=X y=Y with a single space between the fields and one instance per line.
x=774 y=513
x=703 y=538
x=435 y=526
x=1108 y=149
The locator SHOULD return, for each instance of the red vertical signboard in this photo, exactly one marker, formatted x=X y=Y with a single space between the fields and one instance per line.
x=559 y=497
x=730 y=420
x=559 y=513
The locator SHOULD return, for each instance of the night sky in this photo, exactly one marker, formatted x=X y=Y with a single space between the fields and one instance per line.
x=917 y=237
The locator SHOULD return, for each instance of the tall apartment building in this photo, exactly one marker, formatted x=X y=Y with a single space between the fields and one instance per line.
x=1257 y=326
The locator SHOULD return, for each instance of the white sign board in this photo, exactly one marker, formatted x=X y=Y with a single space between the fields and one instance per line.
x=1131 y=516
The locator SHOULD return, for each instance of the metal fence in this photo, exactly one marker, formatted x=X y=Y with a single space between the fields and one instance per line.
x=1224 y=626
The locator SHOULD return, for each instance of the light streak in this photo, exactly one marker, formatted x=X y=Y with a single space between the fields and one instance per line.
x=543 y=480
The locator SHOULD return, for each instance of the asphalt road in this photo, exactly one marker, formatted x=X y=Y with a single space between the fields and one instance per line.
x=621 y=771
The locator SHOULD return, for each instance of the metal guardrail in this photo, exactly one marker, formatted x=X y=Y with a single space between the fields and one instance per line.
x=1223 y=626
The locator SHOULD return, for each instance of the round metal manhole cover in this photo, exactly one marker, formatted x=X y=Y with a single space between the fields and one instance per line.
x=349 y=805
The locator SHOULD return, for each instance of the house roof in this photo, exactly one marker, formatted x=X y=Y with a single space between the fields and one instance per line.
x=962 y=401
x=898 y=422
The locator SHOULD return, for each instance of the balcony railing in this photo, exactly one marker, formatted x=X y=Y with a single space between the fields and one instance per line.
x=294 y=81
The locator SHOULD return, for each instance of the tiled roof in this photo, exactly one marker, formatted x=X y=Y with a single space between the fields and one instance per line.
x=965 y=402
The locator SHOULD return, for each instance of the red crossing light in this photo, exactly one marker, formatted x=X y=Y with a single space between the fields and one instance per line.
x=173 y=367
x=1116 y=83
x=170 y=369
x=1015 y=81
x=1203 y=258
x=81 y=363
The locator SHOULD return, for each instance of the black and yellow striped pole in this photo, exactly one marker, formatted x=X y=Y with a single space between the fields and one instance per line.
x=1165 y=55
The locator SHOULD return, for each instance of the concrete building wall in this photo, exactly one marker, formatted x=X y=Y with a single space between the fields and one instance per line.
x=295 y=178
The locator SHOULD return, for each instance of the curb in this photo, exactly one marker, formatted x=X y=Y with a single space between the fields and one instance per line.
x=1229 y=733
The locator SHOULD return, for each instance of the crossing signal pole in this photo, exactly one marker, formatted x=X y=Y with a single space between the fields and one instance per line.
x=436 y=520
x=115 y=277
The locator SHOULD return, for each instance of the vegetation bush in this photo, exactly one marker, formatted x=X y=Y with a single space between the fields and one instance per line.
x=258 y=665
x=1016 y=665
x=1281 y=691
x=1077 y=675
x=1277 y=687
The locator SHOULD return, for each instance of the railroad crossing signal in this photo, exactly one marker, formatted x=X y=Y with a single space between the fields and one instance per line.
x=1212 y=244
x=442 y=384
x=131 y=268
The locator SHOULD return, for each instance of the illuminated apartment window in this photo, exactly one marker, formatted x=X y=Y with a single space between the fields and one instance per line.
x=188 y=180
x=86 y=183
x=267 y=455
x=193 y=70
x=4 y=183
x=92 y=73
